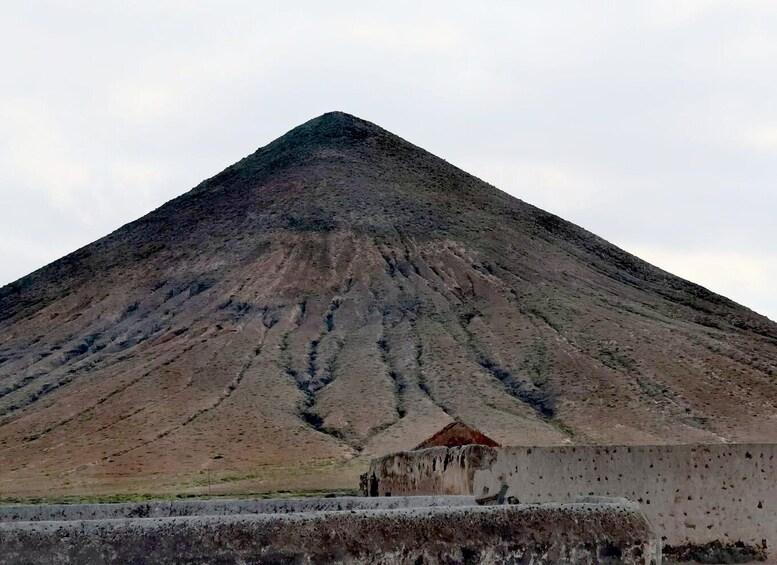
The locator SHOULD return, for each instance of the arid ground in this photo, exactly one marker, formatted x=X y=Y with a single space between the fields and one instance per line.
x=341 y=293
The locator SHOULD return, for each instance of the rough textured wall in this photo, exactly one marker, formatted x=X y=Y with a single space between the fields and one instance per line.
x=573 y=533
x=691 y=494
x=437 y=470
x=221 y=507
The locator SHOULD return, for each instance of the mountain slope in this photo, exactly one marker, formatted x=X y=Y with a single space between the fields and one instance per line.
x=342 y=293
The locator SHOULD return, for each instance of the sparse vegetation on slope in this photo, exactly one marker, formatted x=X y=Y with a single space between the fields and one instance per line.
x=342 y=293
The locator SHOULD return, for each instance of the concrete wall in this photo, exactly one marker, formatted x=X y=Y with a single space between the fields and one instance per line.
x=573 y=533
x=692 y=494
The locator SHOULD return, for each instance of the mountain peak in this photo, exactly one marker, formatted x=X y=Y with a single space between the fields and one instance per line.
x=330 y=130
x=338 y=117
x=335 y=126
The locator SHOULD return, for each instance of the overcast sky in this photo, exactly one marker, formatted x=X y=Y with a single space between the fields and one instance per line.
x=652 y=124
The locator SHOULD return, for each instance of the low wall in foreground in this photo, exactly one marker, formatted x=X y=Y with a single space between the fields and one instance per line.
x=218 y=507
x=693 y=495
x=552 y=533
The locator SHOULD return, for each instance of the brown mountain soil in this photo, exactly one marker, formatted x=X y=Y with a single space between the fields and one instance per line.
x=339 y=294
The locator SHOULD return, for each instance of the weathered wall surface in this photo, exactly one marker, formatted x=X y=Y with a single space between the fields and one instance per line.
x=437 y=470
x=691 y=494
x=573 y=533
x=223 y=507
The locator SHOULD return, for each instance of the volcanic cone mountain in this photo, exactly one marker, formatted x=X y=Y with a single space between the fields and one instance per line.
x=342 y=293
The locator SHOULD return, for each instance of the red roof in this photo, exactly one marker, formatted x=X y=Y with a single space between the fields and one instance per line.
x=457 y=433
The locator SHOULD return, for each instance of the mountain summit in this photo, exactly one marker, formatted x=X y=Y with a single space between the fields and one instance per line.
x=342 y=293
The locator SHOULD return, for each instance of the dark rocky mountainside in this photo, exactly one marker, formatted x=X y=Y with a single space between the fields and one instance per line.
x=342 y=293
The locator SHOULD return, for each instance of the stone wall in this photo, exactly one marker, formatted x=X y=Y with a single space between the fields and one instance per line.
x=437 y=470
x=551 y=533
x=693 y=495
x=218 y=507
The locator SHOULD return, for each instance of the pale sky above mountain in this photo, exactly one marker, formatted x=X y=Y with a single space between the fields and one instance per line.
x=652 y=124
